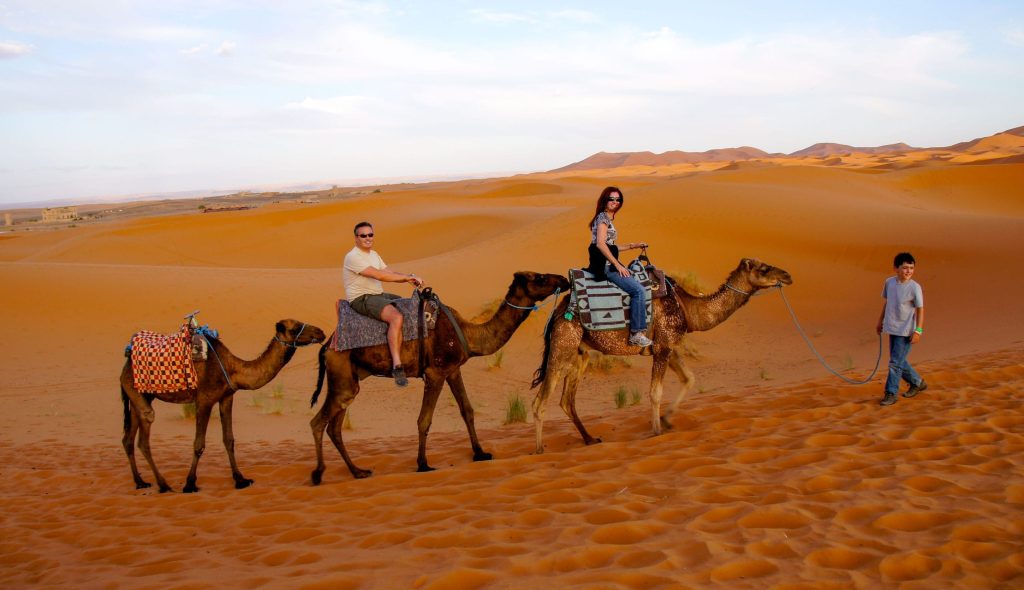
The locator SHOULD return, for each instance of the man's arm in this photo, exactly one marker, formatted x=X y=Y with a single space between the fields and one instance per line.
x=389 y=276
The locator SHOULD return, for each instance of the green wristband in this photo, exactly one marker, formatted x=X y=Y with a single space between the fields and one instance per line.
x=919 y=330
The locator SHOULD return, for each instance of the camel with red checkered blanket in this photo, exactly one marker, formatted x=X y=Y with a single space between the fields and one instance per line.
x=218 y=377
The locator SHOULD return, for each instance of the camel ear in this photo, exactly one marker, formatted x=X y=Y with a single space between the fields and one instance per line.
x=748 y=263
x=280 y=328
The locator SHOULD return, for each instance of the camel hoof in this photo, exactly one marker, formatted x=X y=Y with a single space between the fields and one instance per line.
x=362 y=473
x=666 y=425
x=190 y=489
x=592 y=441
x=424 y=468
x=241 y=484
x=165 y=489
x=141 y=485
x=482 y=456
x=316 y=477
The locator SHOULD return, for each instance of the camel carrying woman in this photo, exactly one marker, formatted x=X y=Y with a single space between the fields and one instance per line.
x=605 y=265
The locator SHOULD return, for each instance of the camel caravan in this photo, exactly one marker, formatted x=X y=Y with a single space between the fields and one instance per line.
x=606 y=307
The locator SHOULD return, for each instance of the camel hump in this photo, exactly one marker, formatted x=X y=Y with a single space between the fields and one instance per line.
x=358 y=331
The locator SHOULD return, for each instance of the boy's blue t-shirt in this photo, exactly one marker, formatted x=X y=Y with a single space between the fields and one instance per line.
x=901 y=299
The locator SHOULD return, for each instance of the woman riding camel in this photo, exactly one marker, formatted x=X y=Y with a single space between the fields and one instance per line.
x=605 y=265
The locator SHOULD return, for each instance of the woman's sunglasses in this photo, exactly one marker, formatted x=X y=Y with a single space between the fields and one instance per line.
x=615 y=199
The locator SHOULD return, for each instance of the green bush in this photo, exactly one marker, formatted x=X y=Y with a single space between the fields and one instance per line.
x=515 y=411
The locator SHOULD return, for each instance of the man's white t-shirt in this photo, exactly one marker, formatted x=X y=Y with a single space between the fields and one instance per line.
x=356 y=285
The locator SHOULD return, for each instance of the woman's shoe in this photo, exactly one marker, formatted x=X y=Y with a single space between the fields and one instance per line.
x=639 y=339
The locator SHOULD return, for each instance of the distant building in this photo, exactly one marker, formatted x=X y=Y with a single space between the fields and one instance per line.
x=57 y=214
x=8 y=220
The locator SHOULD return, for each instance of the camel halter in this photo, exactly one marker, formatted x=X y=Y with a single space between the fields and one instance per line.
x=535 y=307
x=294 y=343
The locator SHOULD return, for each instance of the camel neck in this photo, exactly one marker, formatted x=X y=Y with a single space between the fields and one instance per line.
x=707 y=311
x=488 y=337
x=254 y=374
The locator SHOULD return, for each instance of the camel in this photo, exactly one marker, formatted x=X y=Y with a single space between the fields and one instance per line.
x=567 y=343
x=218 y=381
x=444 y=355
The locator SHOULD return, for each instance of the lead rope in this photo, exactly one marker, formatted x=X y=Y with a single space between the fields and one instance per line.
x=822 y=360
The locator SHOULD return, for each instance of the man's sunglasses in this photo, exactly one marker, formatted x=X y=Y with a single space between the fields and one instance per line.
x=365 y=235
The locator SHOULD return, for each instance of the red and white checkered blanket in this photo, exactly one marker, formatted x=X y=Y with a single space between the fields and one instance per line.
x=162 y=363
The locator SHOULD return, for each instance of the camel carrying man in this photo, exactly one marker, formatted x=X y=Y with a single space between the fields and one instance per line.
x=363 y=274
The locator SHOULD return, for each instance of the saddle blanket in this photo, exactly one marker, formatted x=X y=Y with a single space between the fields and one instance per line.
x=600 y=304
x=162 y=363
x=358 y=331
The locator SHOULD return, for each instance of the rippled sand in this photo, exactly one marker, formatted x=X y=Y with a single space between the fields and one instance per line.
x=775 y=476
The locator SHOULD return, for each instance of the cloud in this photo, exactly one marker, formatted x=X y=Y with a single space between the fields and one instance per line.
x=13 y=49
x=1014 y=36
x=193 y=50
x=226 y=49
x=491 y=16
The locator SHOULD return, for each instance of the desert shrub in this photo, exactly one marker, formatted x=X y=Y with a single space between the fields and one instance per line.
x=188 y=411
x=515 y=411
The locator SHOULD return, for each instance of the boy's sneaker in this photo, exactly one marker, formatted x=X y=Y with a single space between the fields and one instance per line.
x=399 y=374
x=888 y=400
x=915 y=389
x=639 y=339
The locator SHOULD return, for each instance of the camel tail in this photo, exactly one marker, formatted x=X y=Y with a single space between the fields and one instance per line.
x=127 y=410
x=538 y=377
x=321 y=370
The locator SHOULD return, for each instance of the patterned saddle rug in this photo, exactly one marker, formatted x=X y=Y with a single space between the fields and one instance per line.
x=600 y=304
x=358 y=331
x=162 y=363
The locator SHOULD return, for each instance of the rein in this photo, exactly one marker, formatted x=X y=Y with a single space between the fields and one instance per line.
x=294 y=343
x=822 y=360
x=535 y=307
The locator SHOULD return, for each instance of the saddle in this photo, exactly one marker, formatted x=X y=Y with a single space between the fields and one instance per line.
x=358 y=331
x=162 y=363
x=601 y=305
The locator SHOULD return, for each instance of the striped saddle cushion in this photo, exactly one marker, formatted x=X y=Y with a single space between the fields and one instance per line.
x=600 y=304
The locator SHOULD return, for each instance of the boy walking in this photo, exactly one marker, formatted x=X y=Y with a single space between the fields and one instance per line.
x=902 y=319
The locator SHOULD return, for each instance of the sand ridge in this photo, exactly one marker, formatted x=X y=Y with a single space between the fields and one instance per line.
x=775 y=475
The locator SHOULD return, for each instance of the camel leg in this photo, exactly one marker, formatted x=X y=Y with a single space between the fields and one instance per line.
x=226 y=425
x=342 y=388
x=317 y=425
x=675 y=362
x=203 y=410
x=466 y=409
x=144 y=430
x=432 y=384
x=657 y=389
x=144 y=406
x=568 y=401
x=131 y=429
x=334 y=429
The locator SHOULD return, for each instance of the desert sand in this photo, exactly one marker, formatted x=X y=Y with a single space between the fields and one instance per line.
x=776 y=474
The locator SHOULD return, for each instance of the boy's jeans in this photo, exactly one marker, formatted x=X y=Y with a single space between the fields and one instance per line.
x=637 y=300
x=899 y=368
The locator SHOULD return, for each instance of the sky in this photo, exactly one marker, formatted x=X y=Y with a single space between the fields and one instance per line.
x=113 y=98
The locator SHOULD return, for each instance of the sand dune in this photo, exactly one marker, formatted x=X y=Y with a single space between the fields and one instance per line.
x=776 y=474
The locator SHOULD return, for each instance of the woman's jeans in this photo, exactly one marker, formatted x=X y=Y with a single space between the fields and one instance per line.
x=637 y=298
x=899 y=368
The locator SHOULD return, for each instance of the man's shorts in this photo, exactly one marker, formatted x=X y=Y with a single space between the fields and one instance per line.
x=373 y=305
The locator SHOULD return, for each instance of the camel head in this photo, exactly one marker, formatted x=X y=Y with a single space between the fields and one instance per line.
x=535 y=286
x=295 y=333
x=763 y=276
